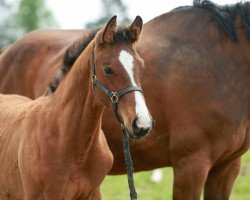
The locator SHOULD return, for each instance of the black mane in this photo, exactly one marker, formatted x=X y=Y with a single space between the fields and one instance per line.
x=225 y=16
x=75 y=50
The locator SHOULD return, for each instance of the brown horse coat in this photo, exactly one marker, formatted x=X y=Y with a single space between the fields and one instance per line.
x=197 y=88
x=53 y=148
x=40 y=153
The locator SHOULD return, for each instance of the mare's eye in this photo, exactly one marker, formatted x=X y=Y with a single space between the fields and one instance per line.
x=108 y=70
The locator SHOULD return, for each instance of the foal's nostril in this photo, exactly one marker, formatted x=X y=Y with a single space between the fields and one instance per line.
x=144 y=131
x=136 y=129
x=139 y=131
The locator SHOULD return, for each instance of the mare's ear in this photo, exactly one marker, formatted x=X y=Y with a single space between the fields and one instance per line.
x=109 y=31
x=135 y=29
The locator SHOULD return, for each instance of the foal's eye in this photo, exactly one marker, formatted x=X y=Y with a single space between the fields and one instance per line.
x=108 y=70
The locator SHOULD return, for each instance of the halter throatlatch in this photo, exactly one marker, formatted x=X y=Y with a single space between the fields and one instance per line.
x=115 y=97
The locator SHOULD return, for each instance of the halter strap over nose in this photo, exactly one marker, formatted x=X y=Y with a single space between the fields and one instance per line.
x=114 y=96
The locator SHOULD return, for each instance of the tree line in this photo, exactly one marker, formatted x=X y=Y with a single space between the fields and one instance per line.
x=18 y=17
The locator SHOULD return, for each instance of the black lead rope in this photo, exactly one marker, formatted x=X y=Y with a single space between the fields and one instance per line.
x=114 y=97
x=129 y=163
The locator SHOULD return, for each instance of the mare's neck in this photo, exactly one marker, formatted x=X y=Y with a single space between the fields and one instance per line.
x=79 y=113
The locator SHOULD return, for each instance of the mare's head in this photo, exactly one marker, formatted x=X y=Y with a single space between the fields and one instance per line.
x=118 y=66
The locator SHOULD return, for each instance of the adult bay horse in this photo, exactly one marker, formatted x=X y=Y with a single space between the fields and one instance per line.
x=53 y=148
x=196 y=84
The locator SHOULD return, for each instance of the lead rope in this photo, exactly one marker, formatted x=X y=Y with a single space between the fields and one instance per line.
x=127 y=156
x=129 y=163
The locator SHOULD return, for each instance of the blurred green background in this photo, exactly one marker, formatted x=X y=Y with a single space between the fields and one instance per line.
x=116 y=187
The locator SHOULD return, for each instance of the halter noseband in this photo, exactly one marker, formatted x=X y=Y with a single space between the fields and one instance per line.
x=114 y=96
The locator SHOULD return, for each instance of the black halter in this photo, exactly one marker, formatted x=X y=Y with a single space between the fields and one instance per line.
x=115 y=97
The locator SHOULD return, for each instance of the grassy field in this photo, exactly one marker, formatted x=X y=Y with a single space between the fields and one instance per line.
x=116 y=187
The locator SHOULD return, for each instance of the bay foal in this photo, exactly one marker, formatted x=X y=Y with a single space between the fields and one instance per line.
x=53 y=148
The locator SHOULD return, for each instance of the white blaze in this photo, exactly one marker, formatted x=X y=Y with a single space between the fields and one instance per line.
x=144 y=119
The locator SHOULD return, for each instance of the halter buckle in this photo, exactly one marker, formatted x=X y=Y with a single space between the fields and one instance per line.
x=93 y=78
x=114 y=98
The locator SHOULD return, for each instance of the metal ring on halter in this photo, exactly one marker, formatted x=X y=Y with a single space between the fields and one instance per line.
x=93 y=78
x=114 y=97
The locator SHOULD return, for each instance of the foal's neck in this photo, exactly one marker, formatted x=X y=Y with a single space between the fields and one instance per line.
x=79 y=113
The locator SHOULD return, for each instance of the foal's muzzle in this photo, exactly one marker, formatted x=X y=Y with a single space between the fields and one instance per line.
x=139 y=132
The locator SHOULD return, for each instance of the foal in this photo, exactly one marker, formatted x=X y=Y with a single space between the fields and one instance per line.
x=53 y=148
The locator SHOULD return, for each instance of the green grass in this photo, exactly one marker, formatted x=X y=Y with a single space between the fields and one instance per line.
x=116 y=187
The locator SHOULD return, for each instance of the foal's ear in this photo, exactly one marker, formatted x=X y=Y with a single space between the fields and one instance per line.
x=135 y=29
x=109 y=31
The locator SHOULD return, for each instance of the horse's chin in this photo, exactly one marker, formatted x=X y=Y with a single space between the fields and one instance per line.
x=133 y=135
x=136 y=136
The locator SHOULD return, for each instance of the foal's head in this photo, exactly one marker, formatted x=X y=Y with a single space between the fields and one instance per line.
x=118 y=66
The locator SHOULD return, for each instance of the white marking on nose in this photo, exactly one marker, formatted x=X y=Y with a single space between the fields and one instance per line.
x=143 y=117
